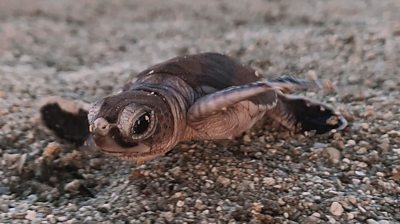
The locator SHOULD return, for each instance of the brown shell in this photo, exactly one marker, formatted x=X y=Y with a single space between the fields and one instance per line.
x=207 y=69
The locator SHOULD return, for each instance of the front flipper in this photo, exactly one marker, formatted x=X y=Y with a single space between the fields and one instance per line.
x=301 y=114
x=214 y=102
x=219 y=100
x=67 y=119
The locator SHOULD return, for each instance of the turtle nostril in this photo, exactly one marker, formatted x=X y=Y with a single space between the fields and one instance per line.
x=104 y=127
x=101 y=126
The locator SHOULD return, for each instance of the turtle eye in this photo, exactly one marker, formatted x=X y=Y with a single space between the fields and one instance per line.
x=141 y=124
x=137 y=122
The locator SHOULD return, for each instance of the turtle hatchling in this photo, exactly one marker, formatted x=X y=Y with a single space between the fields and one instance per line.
x=194 y=97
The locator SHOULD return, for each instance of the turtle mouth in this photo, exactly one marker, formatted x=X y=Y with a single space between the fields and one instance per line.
x=111 y=144
x=114 y=145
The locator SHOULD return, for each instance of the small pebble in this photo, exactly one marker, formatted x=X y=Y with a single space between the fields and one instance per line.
x=331 y=219
x=199 y=205
x=224 y=181
x=104 y=208
x=336 y=209
x=257 y=207
x=352 y=199
x=180 y=203
x=319 y=145
x=51 y=219
x=72 y=186
x=365 y=126
x=52 y=149
x=246 y=139
x=30 y=215
x=351 y=142
x=62 y=218
x=356 y=181
x=372 y=221
x=360 y=173
x=269 y=181
x=334 y=154
x=350 y=216
x=176 y=171
x=311 y=220
x=316 y=214
x=169 y=216
x=380 y=174
x=96 y=163
x=362 y=150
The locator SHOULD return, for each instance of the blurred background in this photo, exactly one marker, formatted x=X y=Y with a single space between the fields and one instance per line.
x=87 y=49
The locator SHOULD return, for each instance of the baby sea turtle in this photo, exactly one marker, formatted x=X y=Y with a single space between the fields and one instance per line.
x=193 y=97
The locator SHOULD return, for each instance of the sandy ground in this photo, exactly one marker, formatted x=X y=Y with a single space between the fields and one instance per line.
x=88 y=49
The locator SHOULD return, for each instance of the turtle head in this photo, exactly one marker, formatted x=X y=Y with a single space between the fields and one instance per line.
x=134 y=125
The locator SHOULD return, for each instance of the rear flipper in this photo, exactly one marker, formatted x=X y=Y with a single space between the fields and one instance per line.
x=67 y=119
x=219 y=100
x=288 y=84
x=301 y=114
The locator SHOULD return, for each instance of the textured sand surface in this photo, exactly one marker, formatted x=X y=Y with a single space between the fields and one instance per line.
x=88 y=49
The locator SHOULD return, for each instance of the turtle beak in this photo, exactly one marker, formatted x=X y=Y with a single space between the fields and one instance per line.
x=100 y=127
x=102 y=138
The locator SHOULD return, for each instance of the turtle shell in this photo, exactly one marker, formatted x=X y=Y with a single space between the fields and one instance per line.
x=212 y=70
